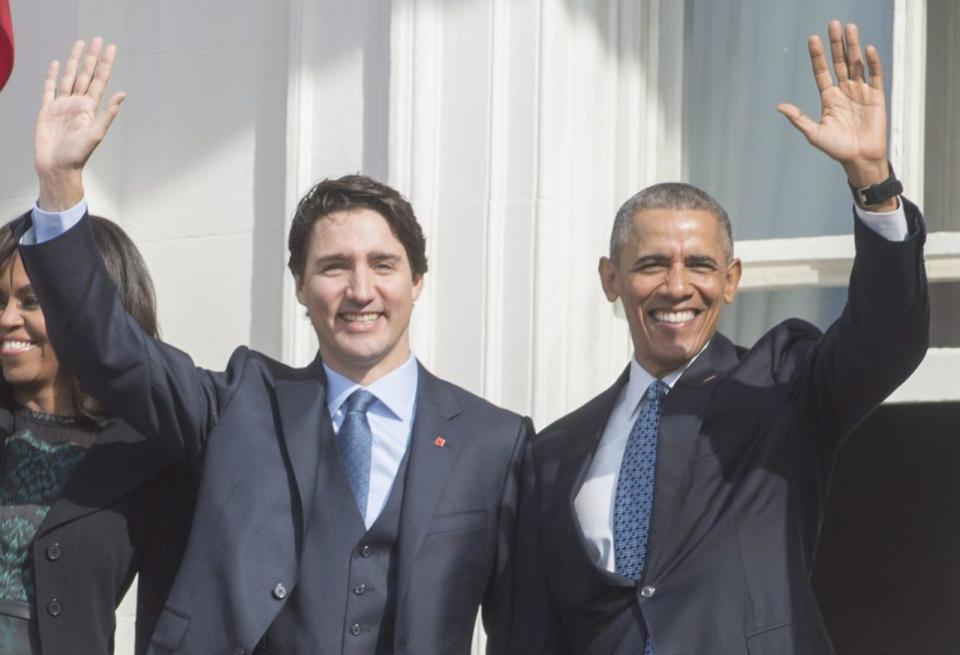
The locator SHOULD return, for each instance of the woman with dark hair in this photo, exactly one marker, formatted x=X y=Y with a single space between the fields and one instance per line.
x=85 y=501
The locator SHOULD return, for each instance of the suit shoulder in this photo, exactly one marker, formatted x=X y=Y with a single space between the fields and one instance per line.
x=478 y=408
x=243 y=359
x=591 y=415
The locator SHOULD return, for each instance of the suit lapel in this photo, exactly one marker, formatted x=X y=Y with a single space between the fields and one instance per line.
x=306 y=424
x=118 y=461
x=675 y=519
x=428 y=469
x=575 y=456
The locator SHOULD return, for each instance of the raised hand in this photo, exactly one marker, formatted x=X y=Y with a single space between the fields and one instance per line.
x=853 y=117
x=71 y=123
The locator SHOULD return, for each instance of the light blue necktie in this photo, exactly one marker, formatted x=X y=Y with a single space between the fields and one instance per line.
x=633 y=503
x=354 y=443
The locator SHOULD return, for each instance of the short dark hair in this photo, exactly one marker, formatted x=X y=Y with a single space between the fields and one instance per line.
x=355 y=192
x=669 y=195
x=129 y=274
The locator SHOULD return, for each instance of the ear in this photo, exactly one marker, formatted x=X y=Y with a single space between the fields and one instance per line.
x=609 y=279
x=417 y=287
x=732 y=281
x=298 y=280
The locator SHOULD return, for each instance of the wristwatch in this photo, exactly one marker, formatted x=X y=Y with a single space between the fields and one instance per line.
x=875 y=194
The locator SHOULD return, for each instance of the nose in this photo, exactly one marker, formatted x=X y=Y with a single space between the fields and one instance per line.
x=10 y=317
x=360 y=289
x=677 y=282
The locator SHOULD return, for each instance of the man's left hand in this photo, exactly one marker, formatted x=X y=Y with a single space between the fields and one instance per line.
x=853 y=123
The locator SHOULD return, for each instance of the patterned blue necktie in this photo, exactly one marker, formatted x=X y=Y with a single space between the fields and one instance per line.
x=354 y=443
x=633 y=503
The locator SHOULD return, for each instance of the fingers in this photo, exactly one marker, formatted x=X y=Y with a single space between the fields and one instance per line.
x=70 y=70
x=102 y=74
x=87 y=66
x=83 y=74
x=50 y=83
x=821 y=73
x=105 y=118
x=854 y=56
x=837 y=51
x=800 y=120
x=876 y=70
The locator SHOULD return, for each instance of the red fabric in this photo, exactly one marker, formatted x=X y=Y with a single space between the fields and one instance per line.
x=6 y=42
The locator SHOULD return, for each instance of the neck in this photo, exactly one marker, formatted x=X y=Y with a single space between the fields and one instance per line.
x=366 y=375
x=56 y=400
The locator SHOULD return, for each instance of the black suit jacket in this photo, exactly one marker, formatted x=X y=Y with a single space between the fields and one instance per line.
x=746 y=445
x=253 y=432
x=125 y=510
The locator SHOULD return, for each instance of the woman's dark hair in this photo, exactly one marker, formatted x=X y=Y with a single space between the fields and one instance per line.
x=129 y=273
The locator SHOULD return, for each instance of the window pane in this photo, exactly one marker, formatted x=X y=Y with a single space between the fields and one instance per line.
x=942 y=165
x=754 y=312
x=742 y=58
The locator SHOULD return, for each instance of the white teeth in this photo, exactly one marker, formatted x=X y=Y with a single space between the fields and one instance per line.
x=674 y=317
x=18 y=346
x=366 y=317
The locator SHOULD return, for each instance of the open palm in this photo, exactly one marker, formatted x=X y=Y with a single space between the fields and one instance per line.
x=853 y=121
x=70 y=123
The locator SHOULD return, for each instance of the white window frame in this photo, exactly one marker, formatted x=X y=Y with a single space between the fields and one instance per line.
x=826 y=261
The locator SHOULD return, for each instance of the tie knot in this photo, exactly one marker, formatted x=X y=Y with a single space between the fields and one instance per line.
x=360 y=401
x=656 y=391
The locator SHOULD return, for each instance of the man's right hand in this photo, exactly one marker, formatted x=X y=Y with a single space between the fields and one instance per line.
x=71 y=123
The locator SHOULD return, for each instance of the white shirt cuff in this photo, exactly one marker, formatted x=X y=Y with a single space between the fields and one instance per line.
x=50 y=225
x=892 y=226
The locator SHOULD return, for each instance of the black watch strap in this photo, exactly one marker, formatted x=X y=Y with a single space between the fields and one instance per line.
x=876 y=194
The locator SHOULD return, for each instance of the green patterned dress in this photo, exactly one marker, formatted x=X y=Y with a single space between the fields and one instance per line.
x=35 y=463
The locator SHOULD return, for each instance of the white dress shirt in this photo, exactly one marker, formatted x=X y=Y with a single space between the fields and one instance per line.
x=391 y=423
x=594 y=502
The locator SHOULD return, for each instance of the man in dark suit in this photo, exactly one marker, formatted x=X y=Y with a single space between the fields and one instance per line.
x=677 y=512
x=358 y=505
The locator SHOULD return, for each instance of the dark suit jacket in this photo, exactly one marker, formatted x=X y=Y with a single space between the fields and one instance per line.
x=253 y=432
x=746 y=445
x=125 y=510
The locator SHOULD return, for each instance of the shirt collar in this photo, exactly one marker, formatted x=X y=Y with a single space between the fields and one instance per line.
x=640 y=379
x=397 y=390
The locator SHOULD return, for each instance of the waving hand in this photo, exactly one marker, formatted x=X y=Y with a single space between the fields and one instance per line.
x=71 y=123
x=853 y=118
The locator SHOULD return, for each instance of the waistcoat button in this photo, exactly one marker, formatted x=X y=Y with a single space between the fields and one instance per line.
x=359 y=589
x=54 y=552
x=355 y=629
x=279 y=592
x=364 y=550
x=648 y=592
x=54 y=607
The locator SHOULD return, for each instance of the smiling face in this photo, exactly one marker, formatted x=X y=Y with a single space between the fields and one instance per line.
x=672 y=277
x=359 y=292
x=30 y=366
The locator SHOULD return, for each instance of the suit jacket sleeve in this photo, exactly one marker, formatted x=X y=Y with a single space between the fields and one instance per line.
x=536 y=627
x=152 y=386
x=499 y=597
x=835 y=380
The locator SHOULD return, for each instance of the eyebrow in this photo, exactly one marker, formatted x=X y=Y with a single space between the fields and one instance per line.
x=694 y=260
x=340 y=258
x=664 y=260
x=24 y=289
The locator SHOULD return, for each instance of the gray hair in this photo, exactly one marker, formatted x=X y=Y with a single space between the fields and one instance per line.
x=668 y=195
